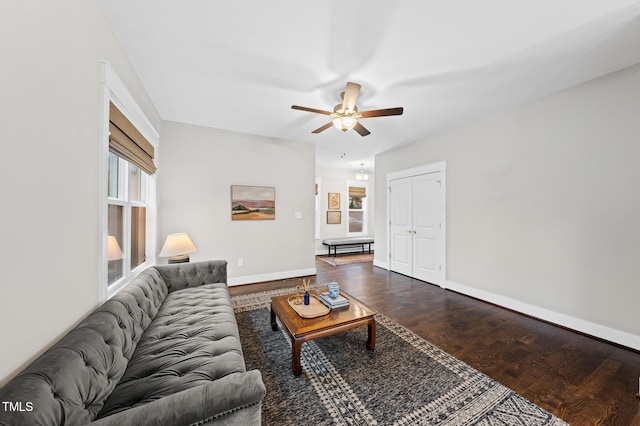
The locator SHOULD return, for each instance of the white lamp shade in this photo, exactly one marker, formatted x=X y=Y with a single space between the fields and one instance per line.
x=177 y=245
x=114 y=252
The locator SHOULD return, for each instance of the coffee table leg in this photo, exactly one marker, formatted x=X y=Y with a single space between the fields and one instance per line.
x=274 y=324
x=371 y=340
x=296 y=345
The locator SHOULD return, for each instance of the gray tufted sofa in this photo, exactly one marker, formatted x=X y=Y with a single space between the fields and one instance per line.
x=163 y=351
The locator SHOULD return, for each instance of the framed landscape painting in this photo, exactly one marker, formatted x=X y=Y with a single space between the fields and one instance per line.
x=253 y=202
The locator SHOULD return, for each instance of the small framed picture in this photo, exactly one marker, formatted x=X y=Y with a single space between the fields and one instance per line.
x=334 y=217
x=334 y=201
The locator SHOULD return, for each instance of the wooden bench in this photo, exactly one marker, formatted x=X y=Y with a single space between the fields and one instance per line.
x=348 y=242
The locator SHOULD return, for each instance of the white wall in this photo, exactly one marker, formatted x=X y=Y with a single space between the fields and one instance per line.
x=336 y=180
x=50 y=117
x=195 y=173
x=543 y=205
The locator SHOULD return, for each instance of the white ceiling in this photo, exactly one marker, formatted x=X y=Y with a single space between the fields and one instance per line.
x=240 y=65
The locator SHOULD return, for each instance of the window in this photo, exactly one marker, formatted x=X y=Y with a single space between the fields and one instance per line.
x=357 y=209
x=127 y=218
x=127 y=186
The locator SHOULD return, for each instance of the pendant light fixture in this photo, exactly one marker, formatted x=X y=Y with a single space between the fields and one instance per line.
x=362 y=175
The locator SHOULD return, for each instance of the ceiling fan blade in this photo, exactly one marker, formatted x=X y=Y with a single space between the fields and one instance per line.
x=318 y=111
x=381 y=112
x=350 y=96
x=323 y=128
x=361 y=129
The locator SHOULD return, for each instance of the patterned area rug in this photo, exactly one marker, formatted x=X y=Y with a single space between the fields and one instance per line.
x=346 y=259
x=404 y=381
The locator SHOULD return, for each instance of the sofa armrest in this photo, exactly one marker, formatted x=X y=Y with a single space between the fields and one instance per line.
x=235 y=399
x=182 y=275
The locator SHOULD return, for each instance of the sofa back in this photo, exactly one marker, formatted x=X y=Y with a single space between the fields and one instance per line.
x=70 y=382
x=179 y=276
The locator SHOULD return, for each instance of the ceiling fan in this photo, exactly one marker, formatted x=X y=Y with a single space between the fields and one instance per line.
x=346 y=115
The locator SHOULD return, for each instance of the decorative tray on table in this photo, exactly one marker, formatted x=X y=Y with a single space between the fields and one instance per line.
x=314 y=309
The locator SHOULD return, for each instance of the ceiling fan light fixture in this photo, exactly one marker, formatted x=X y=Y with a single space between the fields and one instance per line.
x=346 y=115
x=344 y=123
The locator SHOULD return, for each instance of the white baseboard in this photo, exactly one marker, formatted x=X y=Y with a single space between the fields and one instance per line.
x=380 y=264
x=249 y=279
x=610 y=334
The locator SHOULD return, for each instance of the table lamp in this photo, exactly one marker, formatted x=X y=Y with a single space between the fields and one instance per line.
x=177 y=248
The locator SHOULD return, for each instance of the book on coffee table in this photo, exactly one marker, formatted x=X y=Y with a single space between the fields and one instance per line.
x=338 y=302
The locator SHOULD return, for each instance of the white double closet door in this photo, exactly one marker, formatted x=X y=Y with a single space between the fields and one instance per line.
x=416 y=227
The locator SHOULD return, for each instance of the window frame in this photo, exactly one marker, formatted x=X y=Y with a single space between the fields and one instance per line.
x=364 y=210
x=113 y=90
x=124 y=199
x=318 y=209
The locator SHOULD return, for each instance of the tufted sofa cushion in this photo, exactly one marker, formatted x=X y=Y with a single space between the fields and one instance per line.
x=192 y=341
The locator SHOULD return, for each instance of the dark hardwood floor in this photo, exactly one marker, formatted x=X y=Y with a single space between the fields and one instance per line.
x=582 y=380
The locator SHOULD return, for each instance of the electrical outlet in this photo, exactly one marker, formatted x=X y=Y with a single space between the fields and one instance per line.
x=240 y=261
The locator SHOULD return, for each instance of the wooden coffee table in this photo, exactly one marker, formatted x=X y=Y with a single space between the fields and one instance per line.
x=304 y=329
